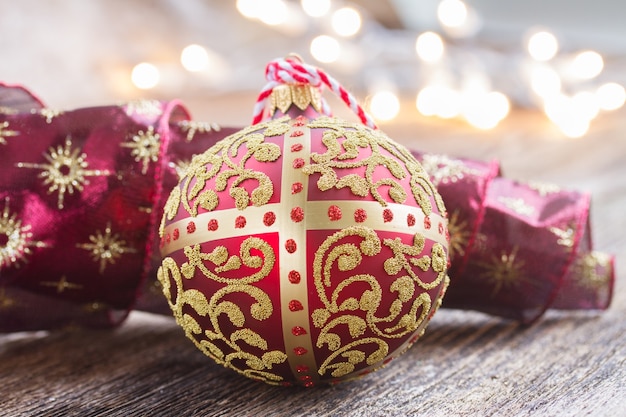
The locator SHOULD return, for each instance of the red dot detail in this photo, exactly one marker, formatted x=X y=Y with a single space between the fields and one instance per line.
x=309 y=384
x=427 y=223
x=387 y=215
x=334 y=213
x=240 y=222
x=191 y=227
x=298 y=330
x=297 y=214
x=360 y=215
x=212 y=225
x=296 y=187
x=302 y=369
x=167 y=238
x=269 y=218
x=306 y=378
x=291 y=245
x=294 y=277
x=440 y=228
x=410 y=220
x=296 y=147
x=300 y=121
x=298 y=163
x=295 y=305
x=299 y=350
x=296 y=133
x=176 y=234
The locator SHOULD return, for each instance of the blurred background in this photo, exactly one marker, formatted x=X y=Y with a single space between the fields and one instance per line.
x=458 y=64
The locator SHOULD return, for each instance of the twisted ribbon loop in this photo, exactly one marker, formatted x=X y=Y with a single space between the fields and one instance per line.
x=292 y=71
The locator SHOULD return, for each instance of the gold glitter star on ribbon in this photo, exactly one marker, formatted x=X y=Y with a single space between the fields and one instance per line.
x=5 y=301
x=61 y=285
x=5 y=133
x=504 y=271
x=459 y=235
x=148 y=108
x=592 y=270
x=193 y=127
x=106 y=247
x=65 y=171
x=49 y=114
x=443 y=169
x=15 y=240
x=144 y=147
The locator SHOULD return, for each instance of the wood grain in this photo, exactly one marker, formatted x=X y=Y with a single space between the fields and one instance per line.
x=467 y=364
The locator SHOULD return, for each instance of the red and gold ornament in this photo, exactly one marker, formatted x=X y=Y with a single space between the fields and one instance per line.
x=296 y=251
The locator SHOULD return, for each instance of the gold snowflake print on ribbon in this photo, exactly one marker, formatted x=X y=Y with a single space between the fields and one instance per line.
x=61 y=285
x=143 y=108
x=565 y=236
x=181 y=166
x=459 y=235
x=518 y=205
x=66 y=170
x=592 y=270
x=106 y=248
x=542 y=188
x=49 y=114
x=15 y=240
x=5 y=132
x=193 y=127
x=443 y=169
x=144 y=147
x=8 y=110
x=504 y=271
x=6 y=302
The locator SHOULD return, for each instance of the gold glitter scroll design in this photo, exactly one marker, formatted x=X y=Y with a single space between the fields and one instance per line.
x=225 y=160
x=346 y=143
x=236 y=349
x=357 y=314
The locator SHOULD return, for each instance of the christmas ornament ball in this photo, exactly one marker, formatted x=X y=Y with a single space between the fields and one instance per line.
x=305 y=249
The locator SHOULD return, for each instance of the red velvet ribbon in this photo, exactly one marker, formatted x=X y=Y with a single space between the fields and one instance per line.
x=82 y=191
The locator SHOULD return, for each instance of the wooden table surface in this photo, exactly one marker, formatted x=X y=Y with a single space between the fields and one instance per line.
x=567 y=364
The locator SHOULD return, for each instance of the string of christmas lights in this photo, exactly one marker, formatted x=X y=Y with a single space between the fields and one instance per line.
x=452 y=77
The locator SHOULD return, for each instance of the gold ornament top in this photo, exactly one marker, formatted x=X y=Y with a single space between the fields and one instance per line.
x=302 y=96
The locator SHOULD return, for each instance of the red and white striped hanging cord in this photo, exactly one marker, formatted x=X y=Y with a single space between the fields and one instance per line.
x=291 y=70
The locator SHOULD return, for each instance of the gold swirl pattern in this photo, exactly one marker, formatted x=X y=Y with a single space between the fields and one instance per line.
x=220 y=162
x=383 y=152
x=405 y=314
x=225 y=349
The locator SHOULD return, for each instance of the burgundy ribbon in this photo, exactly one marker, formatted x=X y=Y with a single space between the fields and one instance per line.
x=82 y=191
